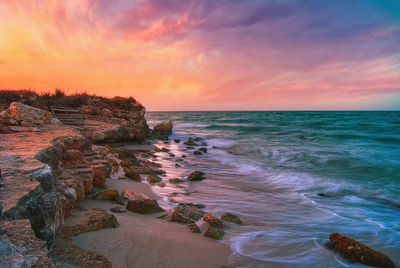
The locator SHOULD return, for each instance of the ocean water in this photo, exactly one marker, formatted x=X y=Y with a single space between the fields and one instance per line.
x=294 y=178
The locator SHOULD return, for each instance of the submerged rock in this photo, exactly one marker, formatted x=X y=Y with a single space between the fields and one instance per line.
x=215 y=233
x=176 y=180
x=190 y=143
x=186 y=213
x=213 y=221
x=196 y=176
x=163 y=130
x=147 y=206
x=197 y=153
x=203 y=149
x=177 y=140
x=231 y=218
x=357 y=252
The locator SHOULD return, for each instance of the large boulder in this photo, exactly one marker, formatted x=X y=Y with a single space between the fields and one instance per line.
x=163 y=130
x=146 y=206
x=27 y=115
x=186 y=213
x=357 y=252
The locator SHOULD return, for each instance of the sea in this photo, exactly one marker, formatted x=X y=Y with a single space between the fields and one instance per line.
x=293 y=177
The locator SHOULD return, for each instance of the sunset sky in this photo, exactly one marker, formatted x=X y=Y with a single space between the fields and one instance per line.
x=208 y=54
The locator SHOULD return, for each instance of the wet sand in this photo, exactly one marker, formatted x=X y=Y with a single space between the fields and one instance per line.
x=145 y=241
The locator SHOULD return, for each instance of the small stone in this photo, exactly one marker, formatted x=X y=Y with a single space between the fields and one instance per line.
x=152 y=178
x=165 y=150
x=161 y=184
x=196 y=176
x=118 y=209
x=177 y=140
x=190 y=143
x=231 y=218
x=171 y=155
x=203 y=149
x=108 y=195
x=194 y=228
x=215 y=233
x=213 y=221
x=176 y=180
x=197 y=153
x=177 y=165
x=203 y=143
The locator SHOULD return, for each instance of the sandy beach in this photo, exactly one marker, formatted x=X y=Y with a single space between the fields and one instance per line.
x=145 y=240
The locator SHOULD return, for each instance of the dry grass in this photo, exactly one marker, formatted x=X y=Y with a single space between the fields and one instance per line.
x=56 y=98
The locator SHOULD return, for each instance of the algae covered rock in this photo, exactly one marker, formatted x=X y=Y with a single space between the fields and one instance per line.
x=231 y=218
x=186 y=213
x=213 y=221
x=215 y=233
x=355 y=251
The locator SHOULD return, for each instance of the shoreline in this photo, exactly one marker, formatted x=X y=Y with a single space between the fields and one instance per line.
x=65 y=169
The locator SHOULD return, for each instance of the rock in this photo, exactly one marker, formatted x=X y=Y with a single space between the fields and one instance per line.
x=203 y=149
x=126 y=153
x=27 y=115
x=215 y=233
x=108 y=195
x=177 y=165
x=186 y=213
x=357 y=252
x=161 y=184
x=73 y=155
x=203 y=143
x=163 y=130
x=197 y=139
x=196 y=176
x=231 y=218
x=152 y=178
x=8 y=121
x=147 y=206
x=184 y=156
x=171 y=155
x=197 y=153
x=94 y=220
x=176 y=180
x=194 y=228
x=5 y=129
x=106 y=113
x=118 y=209
x=100 y=174
x=132 y=174
x=129 y=162
x=164 y=150
x=213 y=221
x=131 y=195
x=177 y=140
x=55 y=121
x=190 y=143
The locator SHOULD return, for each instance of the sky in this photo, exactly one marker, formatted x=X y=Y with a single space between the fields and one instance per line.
x=208 y=54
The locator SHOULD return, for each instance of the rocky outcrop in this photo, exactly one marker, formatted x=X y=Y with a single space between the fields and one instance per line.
x=163 y=131
x=357 y=252
x=20 y=248
x=231 y=218
x=26 y=115
x=65 y=253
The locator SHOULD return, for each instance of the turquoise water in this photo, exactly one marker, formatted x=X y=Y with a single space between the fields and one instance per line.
x=295 y=177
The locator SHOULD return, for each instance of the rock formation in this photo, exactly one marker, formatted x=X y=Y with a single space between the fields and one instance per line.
x=163 y=131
